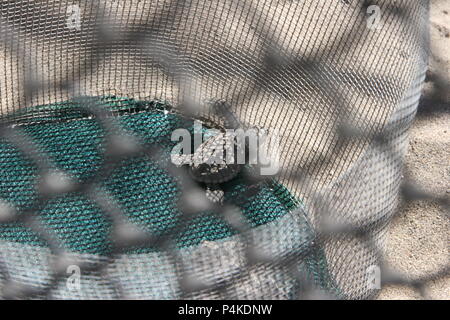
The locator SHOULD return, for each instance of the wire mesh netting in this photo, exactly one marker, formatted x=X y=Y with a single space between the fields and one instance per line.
x=93 y=91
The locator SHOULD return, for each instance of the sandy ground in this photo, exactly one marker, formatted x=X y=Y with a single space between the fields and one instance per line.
x=418 y=239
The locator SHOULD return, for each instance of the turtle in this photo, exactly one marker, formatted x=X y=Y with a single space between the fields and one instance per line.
x=211 y=170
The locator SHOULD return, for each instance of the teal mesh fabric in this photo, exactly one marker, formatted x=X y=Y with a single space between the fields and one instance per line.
x=141 y=186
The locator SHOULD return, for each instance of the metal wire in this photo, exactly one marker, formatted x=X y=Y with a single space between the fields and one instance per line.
x=275 y=67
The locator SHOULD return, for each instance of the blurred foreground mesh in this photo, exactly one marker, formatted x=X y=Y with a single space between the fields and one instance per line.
x=88 y=110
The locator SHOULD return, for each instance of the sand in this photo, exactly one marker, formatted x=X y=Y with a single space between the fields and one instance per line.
x=418 y=239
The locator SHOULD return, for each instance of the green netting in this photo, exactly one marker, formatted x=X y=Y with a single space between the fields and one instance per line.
x=140 y=185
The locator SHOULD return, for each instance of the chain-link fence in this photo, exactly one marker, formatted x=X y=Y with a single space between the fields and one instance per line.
x=93 y=204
